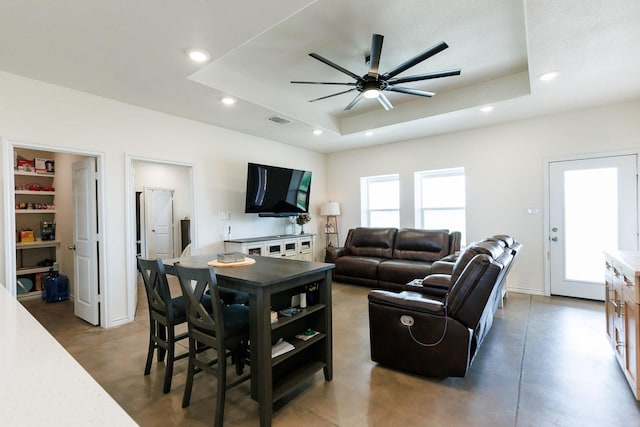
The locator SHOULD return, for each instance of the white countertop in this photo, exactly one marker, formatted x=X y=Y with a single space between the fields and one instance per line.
x=42 y=384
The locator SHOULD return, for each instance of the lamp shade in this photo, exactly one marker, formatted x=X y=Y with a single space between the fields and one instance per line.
x=330 y=209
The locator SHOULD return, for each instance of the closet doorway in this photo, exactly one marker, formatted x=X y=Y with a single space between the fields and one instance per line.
x=74 y=176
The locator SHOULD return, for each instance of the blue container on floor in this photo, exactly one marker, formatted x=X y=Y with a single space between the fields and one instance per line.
x=56 y=287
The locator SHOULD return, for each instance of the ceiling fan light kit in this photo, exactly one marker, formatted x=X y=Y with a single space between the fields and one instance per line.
x=372 y=85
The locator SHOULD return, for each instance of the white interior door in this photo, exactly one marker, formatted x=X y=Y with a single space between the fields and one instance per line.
x=159 y=223
x=85 y=238
x=593 y=206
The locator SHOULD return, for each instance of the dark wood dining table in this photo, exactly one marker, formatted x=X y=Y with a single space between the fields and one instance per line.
x=270 y=283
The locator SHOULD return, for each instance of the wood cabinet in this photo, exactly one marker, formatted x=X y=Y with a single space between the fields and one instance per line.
x=622 y=299
x=290 y=246
x=37 y=246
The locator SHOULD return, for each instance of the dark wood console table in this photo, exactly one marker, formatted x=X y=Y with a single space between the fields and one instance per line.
x=270 y=283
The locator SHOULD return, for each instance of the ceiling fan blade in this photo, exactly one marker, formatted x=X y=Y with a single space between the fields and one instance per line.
x=334 y=94
x=415 y=60
x=385 y=101
x=420 y=77
x=322 y=83
x=354 y=102
x=334 y=65
x=374 y=55
x=410 y=91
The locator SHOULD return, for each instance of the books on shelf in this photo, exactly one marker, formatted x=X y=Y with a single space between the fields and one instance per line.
x=281 y=347
x=308 y=334
x=291 y=311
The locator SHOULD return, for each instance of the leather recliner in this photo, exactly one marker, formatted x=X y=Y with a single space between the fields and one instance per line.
x=438 y=333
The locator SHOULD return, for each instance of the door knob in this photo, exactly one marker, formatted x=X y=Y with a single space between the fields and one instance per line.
x=554 y=239
x=71 y=247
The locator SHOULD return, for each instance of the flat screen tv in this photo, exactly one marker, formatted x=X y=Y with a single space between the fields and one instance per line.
x=276 y=191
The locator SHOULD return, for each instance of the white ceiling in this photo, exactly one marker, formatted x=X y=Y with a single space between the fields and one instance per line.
x=134 y=51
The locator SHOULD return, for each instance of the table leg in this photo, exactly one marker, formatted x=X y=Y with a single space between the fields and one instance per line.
x=261 y=376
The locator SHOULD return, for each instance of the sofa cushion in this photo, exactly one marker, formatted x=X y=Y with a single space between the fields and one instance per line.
x=402 y=271
x=371 y=242
x=356 y=266
x=421 y=245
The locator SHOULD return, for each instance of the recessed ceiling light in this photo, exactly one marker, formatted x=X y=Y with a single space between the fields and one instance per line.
x=227 y=100
x=486 y=108
x=317 y=132
x=198 y=55
x=548 y=76
x=368 y=133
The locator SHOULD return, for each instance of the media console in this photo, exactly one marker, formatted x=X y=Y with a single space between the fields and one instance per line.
x=291 y=246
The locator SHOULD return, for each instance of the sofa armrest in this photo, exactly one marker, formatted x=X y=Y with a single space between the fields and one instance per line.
x=334 y=253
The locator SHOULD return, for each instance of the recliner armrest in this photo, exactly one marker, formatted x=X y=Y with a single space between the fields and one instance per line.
x=412 y=301
x=334 y=253
x=442 y=266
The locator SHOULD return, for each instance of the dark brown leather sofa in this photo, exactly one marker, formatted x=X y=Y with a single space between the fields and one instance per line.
x=388 y=258
x=436 y=330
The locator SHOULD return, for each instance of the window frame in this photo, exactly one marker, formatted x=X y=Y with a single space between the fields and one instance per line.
x=421 y=212
x=366 y=211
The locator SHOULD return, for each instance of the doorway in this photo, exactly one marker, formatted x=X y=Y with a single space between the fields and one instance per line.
x=159 y=222
x=592 y=206
x=64 y=192
x=144 y=174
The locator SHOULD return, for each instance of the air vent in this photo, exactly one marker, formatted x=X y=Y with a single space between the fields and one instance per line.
x=279 y=120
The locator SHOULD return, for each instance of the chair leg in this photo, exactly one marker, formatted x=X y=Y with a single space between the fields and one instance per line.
x=168 y=373
x=152 y=346
x=162 y=334
x=186 y=398
x=239 y=356
x=222 y=391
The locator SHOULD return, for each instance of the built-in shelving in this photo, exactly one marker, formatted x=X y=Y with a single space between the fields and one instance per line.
x=31 y=255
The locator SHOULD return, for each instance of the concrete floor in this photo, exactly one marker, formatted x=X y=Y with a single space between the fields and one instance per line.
x=545 y=362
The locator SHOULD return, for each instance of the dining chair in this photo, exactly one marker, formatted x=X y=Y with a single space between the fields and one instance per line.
x=225 y=329
x=165 y=313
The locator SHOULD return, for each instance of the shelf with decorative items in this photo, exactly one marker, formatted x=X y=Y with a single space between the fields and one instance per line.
x=37 y=248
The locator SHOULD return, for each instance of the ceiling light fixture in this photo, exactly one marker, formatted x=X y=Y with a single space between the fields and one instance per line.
x=371 y=93
x=317 y=132
x=227 y=100
x=548 y=76
x=486 y=108
x=198 y=55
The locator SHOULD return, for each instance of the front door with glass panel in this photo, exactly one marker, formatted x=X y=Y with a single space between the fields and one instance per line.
x=593 y=206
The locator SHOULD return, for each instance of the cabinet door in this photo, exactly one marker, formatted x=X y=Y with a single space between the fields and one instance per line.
x=631 y=340
x=274 y=248
x=609 y=302
x=618 y=319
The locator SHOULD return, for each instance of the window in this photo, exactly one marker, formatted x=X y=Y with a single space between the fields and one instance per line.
x=440 y=199
x=380 y=197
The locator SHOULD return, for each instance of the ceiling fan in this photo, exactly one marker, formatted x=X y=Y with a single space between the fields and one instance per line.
x=373 y=84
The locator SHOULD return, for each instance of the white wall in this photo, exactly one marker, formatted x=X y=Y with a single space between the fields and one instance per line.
x=66 y=119
x=504 y=172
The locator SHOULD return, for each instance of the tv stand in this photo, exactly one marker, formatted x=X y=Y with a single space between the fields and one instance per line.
x=288 y=246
